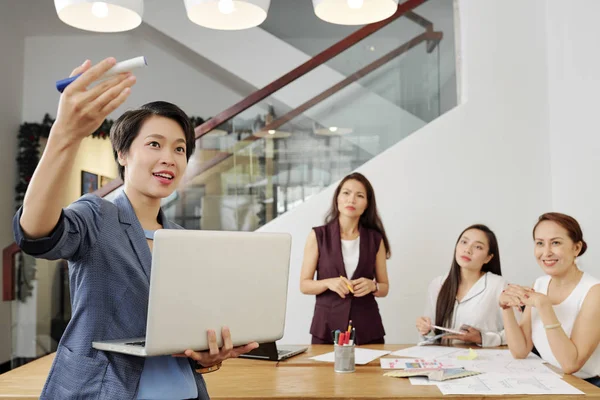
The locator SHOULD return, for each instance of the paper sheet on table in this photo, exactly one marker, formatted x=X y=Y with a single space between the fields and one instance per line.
x=361 y=356
x=426 y=352
x=485 y=355
x=403 y=363
x=504 y=384
x=526 y=367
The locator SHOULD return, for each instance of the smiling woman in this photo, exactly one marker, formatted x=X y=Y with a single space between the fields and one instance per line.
x=561 y=314
x=150 y=146
x=107 y=244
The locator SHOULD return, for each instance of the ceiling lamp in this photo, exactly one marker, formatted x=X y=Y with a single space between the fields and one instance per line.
x=101 y=16
x=272 y=134
x=333 y=131
x=354 y=12
x=227 y=14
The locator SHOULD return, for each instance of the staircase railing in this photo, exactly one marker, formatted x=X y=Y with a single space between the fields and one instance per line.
x=404 y=9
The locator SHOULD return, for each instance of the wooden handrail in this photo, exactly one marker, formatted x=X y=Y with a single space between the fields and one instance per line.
x=303 y=69
x=8 y=271
x=321 y=58
x=426 y=36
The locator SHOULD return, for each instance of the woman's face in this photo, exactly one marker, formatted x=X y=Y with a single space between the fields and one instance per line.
x=472 y=250
x=156 y=160
x=352 y=200
x=554 y=250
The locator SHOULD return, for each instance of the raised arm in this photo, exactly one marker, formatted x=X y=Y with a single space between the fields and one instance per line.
x=80 y=112
x=518 y=335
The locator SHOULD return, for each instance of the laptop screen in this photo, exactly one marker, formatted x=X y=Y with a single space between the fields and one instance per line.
x=266 y=351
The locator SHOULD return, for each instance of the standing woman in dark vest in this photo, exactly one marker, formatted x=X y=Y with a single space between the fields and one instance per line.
x=349 y=255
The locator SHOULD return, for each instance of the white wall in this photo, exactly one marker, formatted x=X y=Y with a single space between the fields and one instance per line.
x=485 y=161
x=574 y=84
x=48 y=59
x=11 y=78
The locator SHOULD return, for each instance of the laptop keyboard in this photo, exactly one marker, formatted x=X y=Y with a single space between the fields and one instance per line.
x=142 y=343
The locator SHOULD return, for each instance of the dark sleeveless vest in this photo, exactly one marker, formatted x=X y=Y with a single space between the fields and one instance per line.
x=331 y=311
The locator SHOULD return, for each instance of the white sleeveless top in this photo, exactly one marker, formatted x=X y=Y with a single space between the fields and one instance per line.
x=350 y=253
x=566 y=312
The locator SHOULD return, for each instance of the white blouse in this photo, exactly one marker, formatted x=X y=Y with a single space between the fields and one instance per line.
x=566 y=312
x=350 y=253
x=478 y=309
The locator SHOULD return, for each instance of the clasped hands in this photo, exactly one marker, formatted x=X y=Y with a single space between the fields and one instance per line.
x=358 y=287
x=519 y=296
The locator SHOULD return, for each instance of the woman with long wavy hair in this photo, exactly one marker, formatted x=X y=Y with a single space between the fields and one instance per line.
x=466 y=299
x=349 y=256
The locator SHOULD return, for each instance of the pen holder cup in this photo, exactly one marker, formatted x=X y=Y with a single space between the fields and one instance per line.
x=344 y=359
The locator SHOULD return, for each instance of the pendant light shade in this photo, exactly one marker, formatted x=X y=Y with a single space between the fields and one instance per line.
x=333 y=131
x=272 y=134
x=354 y=12
x=227 y=14
x=101 y=16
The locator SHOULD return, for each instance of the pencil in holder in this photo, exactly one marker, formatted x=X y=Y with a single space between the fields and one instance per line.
x=344 y=359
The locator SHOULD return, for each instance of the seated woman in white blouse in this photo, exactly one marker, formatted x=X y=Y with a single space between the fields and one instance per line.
x=562 y=309
x=466 y=299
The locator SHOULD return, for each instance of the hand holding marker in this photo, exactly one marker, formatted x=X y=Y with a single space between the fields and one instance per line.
x=441 y=328
x=119 y=68
x=348 y=285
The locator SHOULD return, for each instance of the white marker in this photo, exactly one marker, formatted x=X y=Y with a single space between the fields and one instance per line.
x=119 y=68
x=448 y=330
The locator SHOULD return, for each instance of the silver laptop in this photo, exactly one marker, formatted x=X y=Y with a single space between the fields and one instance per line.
x=204 y=280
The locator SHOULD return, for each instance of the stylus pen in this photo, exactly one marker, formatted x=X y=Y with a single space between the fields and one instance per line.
x=123 y=66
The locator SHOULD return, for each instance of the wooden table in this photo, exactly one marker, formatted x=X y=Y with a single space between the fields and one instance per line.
x=294 y=379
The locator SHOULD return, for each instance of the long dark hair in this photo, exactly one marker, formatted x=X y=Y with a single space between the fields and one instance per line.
x=444 y=308
x=370 y=217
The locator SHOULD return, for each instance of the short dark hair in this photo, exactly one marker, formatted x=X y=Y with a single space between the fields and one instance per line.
x=569 y=223
x=127 y=126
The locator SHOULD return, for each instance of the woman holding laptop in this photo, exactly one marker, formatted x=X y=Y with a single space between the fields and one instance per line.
x=108 y=244
x=463 y=302
x=349 y=256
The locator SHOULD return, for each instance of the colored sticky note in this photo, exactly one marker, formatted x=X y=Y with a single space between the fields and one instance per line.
x=471 y=356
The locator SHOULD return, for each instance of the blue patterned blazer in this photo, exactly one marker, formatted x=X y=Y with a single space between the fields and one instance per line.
x=109 y=272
